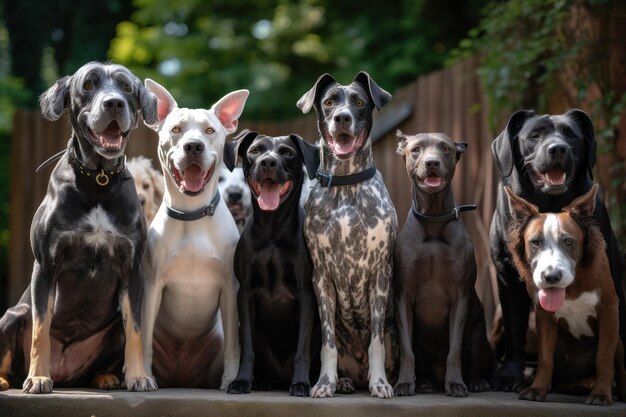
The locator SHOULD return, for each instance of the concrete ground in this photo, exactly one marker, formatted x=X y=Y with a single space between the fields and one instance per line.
x=197 y=402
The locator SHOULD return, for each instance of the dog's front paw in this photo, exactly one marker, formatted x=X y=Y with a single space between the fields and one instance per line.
x=105 y=381
x=323 y=389
x=478 y=385
x=299 y=389
x=140 y=383
x=38 y=385
x=345 y=386
x=403 y=389
x=533 y=394
x=4 y=383
x=599 y=399
x=240 y=386
x=456 y=389
x=507 y=378
x=381 y=389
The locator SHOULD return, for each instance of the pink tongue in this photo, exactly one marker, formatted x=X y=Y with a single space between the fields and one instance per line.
x=111 y=136
x=270 y=195
x=433 y=181
x=555 y=177
x=193 y=179
x=343 y=147
x=551 y=299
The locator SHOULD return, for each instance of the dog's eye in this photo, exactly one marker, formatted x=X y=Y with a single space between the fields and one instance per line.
x=127 y=88
x=446 y=149
x=176 y=129
x=210 y=130
x=254 y=151
x=328 y=102
x=87 y=85
x=359 y=102
x=416 y=149
x=534 y=136
x=536 y=242
x=286 y=152
x=146 y=185
x=568 y=241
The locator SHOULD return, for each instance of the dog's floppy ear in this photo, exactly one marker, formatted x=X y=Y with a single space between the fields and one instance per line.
x=583 y=206
x=379 y=96
x=583 y=121
x=229 y=108
x=460 y=148
x=165 y=102
x=54 y=100
x=520 y=209
x=238 y=147
x=403 y=142
x=148 y=105
x=310 y=97
x=310 y=154
x=502 y=146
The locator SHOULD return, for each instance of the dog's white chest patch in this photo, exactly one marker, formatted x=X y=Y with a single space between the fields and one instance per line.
x=576 y=313
x=99 y=229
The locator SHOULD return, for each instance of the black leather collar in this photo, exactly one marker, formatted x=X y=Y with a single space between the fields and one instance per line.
x=101 y=176
x=456 y=211
x=327 y=180
x=194 y=215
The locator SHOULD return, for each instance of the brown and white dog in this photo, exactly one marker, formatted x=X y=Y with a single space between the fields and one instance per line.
x=149 y=184
x=561 y=258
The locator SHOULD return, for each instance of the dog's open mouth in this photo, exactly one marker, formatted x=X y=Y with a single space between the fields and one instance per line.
x=554 y=177
x=110 y=138
x=344 y=144
x=270 y=194
x=432 y=182
x=551 y=299
x=193 y=179
x=238 y=210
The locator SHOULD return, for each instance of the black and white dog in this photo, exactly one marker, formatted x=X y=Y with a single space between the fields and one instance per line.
x=88 y=237
x=276 y=302
x=350 y=229
x=547 y=160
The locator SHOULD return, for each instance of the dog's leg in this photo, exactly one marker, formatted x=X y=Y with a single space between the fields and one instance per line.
x=13 y=325
x=230 y=320
x=607 y=343
x=300 y=384
x=546 y=334
x=150 y=309
x=405 y=385
x=39 y=380
x=243 y=382
x=378 y=295
x=454 y=385
x=326 y=301
x=134 y=372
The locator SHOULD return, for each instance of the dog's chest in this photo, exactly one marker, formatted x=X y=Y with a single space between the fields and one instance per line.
x=576 y=313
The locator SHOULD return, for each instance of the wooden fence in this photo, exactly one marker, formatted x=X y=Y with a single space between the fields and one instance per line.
x=448 y=101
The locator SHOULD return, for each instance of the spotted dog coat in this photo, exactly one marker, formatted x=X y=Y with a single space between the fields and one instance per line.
x=350 y=232
x=88 y=237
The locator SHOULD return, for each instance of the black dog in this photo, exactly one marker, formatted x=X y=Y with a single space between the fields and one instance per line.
x=88 y=237
x=548 y=161
x=276 y=302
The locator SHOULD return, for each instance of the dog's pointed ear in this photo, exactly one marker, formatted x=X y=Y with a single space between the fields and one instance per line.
x=402 y=143
x=309 y=98
x=238 y=147
x=583 y=206
x=310 y=154
x=503 y=146
x=520 y=209
x=583 y=121
x=165 y=102
x=229 y=108
x=379 y=96
x=54 y=100
x=460 y=148
x=148 y=104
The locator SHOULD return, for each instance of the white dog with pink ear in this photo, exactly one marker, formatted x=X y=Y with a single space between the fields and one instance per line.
x=189 y=320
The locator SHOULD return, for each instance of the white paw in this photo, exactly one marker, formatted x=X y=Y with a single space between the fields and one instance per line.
x=323 y=390
x=37 y=385
x=140 y=383
x=381 y=389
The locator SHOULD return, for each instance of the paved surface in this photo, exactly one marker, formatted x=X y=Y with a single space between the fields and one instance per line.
x=197 y=402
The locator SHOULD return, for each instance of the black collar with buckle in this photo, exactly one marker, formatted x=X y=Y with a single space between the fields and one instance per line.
x=327 y=180
x=101 y=176
x=194 y=215
x=456 y=211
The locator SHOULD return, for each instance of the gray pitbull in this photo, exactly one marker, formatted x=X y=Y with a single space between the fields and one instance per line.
x=440 y=318
x=88 y=237
x=350 y=228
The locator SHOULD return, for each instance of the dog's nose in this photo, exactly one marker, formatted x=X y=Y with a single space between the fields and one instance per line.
x=234 y=194
x=113 y=104
x=268 y=163
x=343 y=118
x=557 y=149
x=193 y=148
x=432 y=163
x=552 y=277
